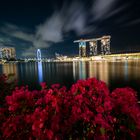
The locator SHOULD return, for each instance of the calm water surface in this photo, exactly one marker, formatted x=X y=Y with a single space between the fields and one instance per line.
x=115 y=74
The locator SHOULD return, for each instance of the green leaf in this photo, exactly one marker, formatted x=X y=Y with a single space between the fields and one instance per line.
x=102 y=130
x=132 y=127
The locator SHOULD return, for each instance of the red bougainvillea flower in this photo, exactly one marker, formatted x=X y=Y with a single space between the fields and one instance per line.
x=86 y=111
x=43 y=85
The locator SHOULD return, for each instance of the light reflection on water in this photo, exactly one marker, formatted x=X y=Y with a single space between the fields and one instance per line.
x=40 y=72
x=126 y=70
x=115 y=74
x=82 y=70
x=10 y=70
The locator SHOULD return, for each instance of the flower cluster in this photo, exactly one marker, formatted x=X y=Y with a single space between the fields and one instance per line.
x=6 y=87
x=86 y=111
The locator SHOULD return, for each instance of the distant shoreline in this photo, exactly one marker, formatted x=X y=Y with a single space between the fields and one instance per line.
x=110 y=57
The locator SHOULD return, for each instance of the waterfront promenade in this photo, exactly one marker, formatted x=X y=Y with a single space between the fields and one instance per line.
x=109 y=57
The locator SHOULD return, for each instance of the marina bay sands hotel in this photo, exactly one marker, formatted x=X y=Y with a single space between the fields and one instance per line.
x=93 y=46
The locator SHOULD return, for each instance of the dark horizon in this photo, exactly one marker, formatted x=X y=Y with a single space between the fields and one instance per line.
x=52 y=26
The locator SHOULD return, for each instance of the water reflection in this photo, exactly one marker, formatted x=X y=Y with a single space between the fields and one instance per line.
x=40 y=72
x=79 y=70
x=74 y=70
x=92 y=71
x=115 y=74
x=126 y=70
x=10 y=70
x=82 y=70
x=104 y=71
x=98 y=70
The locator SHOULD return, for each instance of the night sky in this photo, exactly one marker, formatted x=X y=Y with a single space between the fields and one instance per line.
x=53 y=25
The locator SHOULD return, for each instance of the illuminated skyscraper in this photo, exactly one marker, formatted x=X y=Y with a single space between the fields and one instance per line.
x=7 y=53
x=82 y=49
x=105 y=45
x=93 y=48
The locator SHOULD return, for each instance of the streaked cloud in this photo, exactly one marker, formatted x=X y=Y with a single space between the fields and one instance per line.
x=118 y=9
x=51 y=30
x=73 y=17
x=133 y=22
x=101 y=8
x=6 y=42
x=30 y=52
x=17 y=32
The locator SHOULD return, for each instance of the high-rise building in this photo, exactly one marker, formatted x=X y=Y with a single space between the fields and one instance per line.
x=7 y=53
x=105 y=45
x=93 y=48
x=82 y=49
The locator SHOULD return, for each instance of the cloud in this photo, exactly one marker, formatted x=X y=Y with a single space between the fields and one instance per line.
x=75 y=18
x=3 y=45
x=133 y=22
x=118 y=9
x=23 y=36
x=71 y=17
x=6 y=42
x=13 y=31
x=30 y=52
x=51 y=30
x=101 y=8
x=17 y=32
x=118 y=15
x=48 y=32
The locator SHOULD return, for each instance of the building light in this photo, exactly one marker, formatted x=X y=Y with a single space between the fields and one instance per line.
x=7 y=53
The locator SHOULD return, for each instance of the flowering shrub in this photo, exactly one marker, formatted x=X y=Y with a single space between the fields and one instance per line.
x=6 y=88
x=87 y=111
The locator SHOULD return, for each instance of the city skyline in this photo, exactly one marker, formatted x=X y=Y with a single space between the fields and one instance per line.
x=52 y=26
